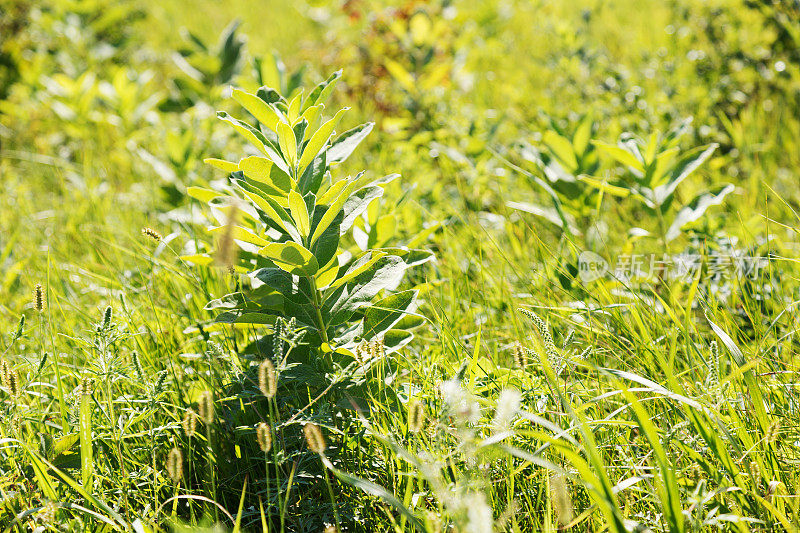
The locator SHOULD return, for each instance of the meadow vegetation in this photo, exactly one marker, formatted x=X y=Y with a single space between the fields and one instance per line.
x=429 y=266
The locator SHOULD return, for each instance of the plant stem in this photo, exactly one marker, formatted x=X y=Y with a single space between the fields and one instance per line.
x=317 y=307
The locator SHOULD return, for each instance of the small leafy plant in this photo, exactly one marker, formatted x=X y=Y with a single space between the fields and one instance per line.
x=655 y=167
x=290 y=220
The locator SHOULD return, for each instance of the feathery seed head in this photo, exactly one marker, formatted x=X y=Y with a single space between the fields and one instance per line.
x=264 y=436
x=773 y=432
x=38 y=298
x=153 y=234
x=190 y=422
x=520 y=355
x=86 y=386
x=416 y=416
x=314 y=438
x=175 y=465
x=267 y=379
x=562 y=503
x=205 y=406
x=507 y=408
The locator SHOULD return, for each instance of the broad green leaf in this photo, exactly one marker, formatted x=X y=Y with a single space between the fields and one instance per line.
x=340 y=305
x=311 y=114
x=273 y=210
x=332 y=193
x=318 y=140
x=204 y=195
x=327 y=274
x=620 y=192
x=561 y=148
x=240 y=234
x=291 y=257
x=697 y=208
x=621 y=155
x=257 y=107
x=257 y=138
x=288 y=144
x=360 y=266
x=583 y=134
x=357 y=203
x=299 y=213
x=332 y=211
x=293 y=112
x=686 y=165
x=321 y=91
x=221 y=164
x=198 y=259
x=382 y=315
x=344 y=145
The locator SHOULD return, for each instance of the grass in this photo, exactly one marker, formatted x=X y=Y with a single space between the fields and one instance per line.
x=667 y=404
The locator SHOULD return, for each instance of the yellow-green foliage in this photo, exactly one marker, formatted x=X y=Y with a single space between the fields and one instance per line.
x=561 y=374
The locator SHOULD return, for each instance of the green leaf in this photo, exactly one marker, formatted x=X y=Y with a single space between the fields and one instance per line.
x=327 y=244
x=204 y=195
x=365 y=262
x=687 y=164
x=340 y=305
x=85 y=425
x=697 y=208
x=358 y=203
x=583 y=134
x=291 y=257
x=288 y=144
x=221 y=164
x=261 y=110
x=561 y=148
x=621 y=155
x=311 y=179
x=321 y=91
x=333 y=210
x=256 y=138
x=318 y=140
x=382 y=315
x=344 y=145
x=299 y=213
x=240 y=234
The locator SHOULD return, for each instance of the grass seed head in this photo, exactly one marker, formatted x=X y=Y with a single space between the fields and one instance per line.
x=773 y=431
x=153 y=234
x=507 y=408
x=86 y=386
x=175 y=465
x=11 y=381
x=416 y=416
x=38 y=298
x=190 y=422
x=264 y=436
x=562 y=503
x=520 y=356
x=205 y=405
x=314 y=438
x=267 y=379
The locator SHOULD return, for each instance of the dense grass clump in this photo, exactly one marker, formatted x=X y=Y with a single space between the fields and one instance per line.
x=517 y=266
